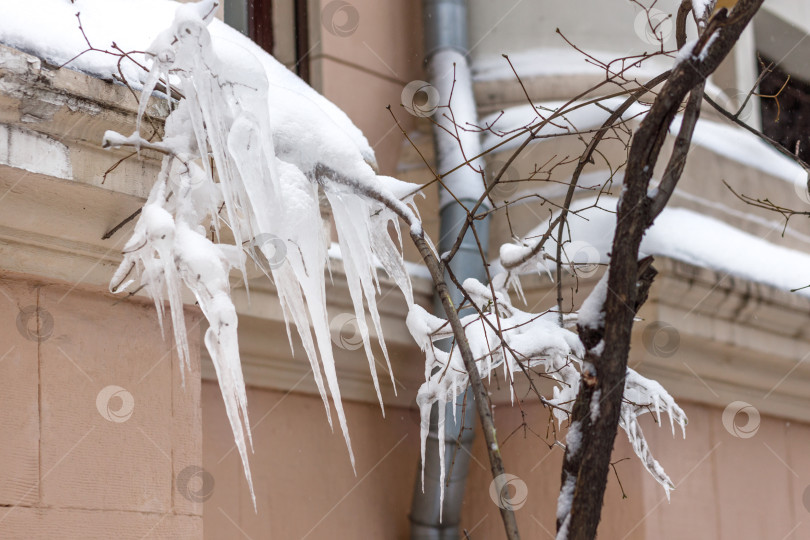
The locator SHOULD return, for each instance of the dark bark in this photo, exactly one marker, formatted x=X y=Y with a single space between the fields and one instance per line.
x=590 y=338
x=588 y=467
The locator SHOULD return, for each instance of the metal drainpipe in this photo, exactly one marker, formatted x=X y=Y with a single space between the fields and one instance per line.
x=445 y=25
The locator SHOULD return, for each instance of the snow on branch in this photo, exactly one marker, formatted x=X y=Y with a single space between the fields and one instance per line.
x=228 y=165
x=502 y=336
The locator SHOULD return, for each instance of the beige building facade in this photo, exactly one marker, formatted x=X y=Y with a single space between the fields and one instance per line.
x=100 y=438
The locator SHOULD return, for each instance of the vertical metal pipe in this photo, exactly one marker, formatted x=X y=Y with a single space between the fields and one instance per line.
x=445 y=24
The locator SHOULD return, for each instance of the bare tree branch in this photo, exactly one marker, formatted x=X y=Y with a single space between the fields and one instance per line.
x=586 y=467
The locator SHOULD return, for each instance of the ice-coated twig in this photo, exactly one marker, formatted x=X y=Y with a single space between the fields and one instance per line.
x=527 y=340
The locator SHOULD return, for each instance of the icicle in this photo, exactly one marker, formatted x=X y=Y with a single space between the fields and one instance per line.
x=146 y=93
x=352 y=222
x=442 y=406
x=425 y=404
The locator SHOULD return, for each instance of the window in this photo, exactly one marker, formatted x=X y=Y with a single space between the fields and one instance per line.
x=783 y=52
x=787 y=117
x=279 y=26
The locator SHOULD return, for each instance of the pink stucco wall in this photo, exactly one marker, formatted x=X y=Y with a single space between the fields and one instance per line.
x=727 y=487
x=305 y=487
x=98 y=439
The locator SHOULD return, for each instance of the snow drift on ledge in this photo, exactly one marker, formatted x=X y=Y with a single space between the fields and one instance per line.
x=49 y=29
x=684 y=235
x=731 y=142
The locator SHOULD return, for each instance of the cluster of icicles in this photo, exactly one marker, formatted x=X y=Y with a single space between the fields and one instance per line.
x=230 y=174
x=501 y=335
x=269 y=206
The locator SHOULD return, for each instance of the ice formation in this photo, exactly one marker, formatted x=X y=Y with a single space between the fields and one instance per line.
x=502 y=336
x=240 y=167
x=261 y=186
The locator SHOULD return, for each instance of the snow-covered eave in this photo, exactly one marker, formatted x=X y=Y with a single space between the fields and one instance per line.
x=55 y=211
x=712 y=134
x=737 y=339
x=555 y=62
x=548 y=73
x=50 y=30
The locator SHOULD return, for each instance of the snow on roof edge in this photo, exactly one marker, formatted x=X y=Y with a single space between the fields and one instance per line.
x=549 y=61
x=690 y=237
x=49 y=29
x=729 y=141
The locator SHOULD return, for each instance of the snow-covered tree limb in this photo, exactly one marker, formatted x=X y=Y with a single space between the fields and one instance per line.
x=585 y=468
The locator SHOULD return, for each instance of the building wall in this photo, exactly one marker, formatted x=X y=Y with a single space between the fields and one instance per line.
x=797 y=12
x=510 y=27
x=727 y=486
x=69 y=472
x=305 y=486
x=720 y=342
x=363 y=57
x=97 y=436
